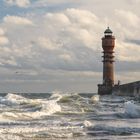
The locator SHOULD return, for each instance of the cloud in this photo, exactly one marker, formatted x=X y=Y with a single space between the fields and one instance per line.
x=19 y=3
x=2 y=31
x=133 y=41
x=128 y=16
x=3 y=40
x=17 y=20
x=64 y=47
x=58 y=17
x=67 y=40
x=133 y=1
x=128 y=52
x=46 y=43
x=62 y=40
x=66 y=57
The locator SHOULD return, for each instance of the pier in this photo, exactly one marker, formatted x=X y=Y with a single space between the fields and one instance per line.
x=129 y=89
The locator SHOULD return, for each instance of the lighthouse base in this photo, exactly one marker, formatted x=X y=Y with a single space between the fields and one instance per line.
x=104 y=89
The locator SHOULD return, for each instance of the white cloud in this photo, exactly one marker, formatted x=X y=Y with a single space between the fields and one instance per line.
x=75 y=25
x=3 y=40
x=10 y=62
x=133 y=1
x=66 y=57
x=128 y=52
x=58 y=18
x=68 y=43
x=2 y=31
x=62 y=40
x=46 y=43
x=68 y=40
x=20 y=3
x=17 y=20
x=128 y=17
x=83 y=17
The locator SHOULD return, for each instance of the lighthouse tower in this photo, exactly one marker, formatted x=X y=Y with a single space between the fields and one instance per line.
x=108 y=44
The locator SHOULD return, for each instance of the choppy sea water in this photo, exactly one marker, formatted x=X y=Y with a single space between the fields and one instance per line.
x=68 y=116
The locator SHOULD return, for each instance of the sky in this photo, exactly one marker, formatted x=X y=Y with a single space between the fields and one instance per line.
x=55 y=45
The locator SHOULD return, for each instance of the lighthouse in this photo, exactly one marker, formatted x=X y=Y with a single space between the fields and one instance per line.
x=108 y=44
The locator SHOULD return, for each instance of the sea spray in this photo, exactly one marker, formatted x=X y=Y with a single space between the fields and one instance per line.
x=95 y=98
x=132 y=110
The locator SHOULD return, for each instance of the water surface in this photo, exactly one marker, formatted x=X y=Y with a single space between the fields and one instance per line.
x=68 y=116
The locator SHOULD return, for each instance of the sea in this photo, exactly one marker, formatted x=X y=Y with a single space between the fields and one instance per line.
x=68 y=116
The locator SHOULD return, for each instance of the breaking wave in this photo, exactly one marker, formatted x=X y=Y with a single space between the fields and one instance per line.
x=24 y=108
x=132 y=110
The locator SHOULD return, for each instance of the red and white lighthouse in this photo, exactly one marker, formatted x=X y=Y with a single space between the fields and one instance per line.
x=108 y=44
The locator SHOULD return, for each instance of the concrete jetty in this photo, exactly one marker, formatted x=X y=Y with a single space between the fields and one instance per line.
x=128 y=89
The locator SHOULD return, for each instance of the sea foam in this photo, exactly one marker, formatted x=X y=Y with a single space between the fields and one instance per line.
x=26 y=109
x=132 y=110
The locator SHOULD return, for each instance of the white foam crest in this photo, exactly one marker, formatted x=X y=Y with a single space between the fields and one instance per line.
x=87 y=123
x=112 y=99
x=81 y=125
x=11 y=99
x=10 y=137
x=107 y=129
x=6 y=102
x=51 y=107
x=95 y=98
x=17 y=99
x=34 y=132
x=36 y=129
x=56 y=95
x=132 y=109
x=48 y=107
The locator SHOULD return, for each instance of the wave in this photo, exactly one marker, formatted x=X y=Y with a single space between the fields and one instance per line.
x=51 y=132
x=112 y=99
x=17 y=99
x=56 y=95
x=110 y=130
x=132 y=110
x=67 y=116
x=77 y=104
x=70 y=98
x=21 y=108
x=95 y=98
